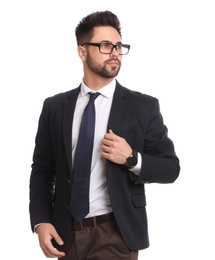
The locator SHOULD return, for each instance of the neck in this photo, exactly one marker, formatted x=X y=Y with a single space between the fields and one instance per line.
x=96 y=82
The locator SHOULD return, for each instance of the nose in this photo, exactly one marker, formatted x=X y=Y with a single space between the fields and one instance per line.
x=114 y=52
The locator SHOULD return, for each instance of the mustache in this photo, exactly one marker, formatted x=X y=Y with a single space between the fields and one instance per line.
x=113 y=59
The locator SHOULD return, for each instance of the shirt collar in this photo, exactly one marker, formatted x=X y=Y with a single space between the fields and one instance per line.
x=107 y=91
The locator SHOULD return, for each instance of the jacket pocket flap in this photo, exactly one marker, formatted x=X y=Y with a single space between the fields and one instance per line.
x=139 y=200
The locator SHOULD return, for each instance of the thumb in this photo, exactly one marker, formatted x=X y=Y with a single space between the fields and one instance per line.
x=57 y=238
x=111 y=132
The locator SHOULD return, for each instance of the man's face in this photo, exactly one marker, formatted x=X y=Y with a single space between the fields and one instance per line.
x=104 y=65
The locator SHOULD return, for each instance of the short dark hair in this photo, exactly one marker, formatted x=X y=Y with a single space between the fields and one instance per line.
x=84 y=30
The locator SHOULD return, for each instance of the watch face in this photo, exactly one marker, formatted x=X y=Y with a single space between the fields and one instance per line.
x=131 y=161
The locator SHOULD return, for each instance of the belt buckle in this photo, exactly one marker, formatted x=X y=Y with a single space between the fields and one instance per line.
x=78 y=225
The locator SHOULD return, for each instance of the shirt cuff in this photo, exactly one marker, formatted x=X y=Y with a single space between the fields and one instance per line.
x=137 y=169
x=37 y=226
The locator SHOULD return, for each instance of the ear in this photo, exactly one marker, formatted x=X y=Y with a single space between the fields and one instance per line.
x=82 y=53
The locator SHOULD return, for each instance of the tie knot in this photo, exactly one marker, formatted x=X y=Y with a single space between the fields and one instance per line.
x=93 y=96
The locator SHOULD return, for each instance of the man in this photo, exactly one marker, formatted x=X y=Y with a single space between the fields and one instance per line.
x=96 y=147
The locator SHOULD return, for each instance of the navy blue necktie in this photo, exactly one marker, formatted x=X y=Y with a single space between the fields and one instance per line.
x=79 y=204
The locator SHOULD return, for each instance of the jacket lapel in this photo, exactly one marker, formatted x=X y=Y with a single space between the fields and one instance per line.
x=118 y=107
x=117 y=110
x=67 y=123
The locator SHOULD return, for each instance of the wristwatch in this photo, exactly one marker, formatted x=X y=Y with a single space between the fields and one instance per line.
x=131 y=161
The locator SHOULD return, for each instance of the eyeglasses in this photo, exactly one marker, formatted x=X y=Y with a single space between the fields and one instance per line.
x=107 y=48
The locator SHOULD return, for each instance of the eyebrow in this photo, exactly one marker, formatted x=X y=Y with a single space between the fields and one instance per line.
x=110 y=42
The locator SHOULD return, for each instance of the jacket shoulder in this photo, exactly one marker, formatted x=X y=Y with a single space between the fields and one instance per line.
x=57 y=100
x=136 y=96
x=62 y=96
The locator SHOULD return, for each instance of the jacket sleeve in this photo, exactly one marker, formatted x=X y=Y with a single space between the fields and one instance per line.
x=159 y=161
x=42 y=178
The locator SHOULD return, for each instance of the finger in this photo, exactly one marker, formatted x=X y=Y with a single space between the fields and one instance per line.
x=50 y=251
x=105 y=148
x=111 y=132
x=46 y=232
x=57 y=254
x=106 y=155
x=113 y=136
x=107 y=142
x=57 y=238
x=110 y=135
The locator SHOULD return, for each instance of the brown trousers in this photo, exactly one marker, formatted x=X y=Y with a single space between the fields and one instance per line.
x=101 y=242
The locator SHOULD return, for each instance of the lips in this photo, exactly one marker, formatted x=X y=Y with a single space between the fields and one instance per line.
x=113 y=62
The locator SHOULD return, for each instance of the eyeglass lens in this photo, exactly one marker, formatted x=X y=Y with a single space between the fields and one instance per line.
x=107 y=48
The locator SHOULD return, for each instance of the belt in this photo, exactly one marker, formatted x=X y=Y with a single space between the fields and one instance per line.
x=92 y=222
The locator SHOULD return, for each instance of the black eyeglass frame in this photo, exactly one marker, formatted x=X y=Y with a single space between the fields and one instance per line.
x=114 y=46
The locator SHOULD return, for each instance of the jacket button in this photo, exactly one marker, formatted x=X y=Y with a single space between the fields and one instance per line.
x=69 y=181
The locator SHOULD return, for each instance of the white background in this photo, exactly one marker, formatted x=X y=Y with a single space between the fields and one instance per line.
x=172 y=57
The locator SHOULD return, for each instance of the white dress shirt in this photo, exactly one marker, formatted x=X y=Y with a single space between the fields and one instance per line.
x=99 y=198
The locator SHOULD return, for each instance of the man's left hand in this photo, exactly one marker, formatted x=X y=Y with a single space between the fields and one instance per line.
x=115 y=148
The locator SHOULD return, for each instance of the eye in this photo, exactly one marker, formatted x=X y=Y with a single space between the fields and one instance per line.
x=119 y=46
x=105 y=45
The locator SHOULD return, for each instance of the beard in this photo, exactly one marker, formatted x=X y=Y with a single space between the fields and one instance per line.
x=103 y=71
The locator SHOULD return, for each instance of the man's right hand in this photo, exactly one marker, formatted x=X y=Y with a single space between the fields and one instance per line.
x=46 y=232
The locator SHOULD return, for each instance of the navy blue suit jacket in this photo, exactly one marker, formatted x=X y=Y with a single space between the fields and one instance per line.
x=135 y=117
